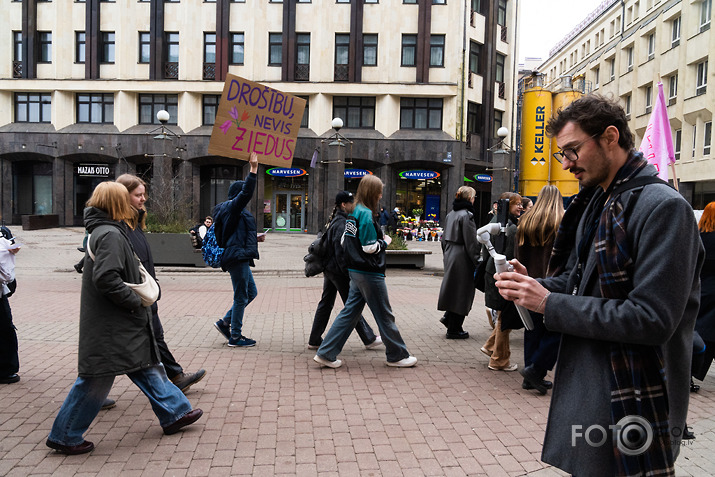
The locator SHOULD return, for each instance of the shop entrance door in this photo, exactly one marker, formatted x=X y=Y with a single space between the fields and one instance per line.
x=288 y=212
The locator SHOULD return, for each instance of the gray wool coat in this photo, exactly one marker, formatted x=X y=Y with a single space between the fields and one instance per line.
x=660 y=311
x=115 y=330
x=460 y=255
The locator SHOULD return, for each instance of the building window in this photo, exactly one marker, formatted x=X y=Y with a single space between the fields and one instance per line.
x=306 y=115
x=403 y=1
x=629 y=58
x=342 y=56
x=473 y=117
x=672 y=88
x=612 y=67
x=706 y=9
x=436 y=50
x=150 y=104
x=302 y=61
x=648 y=98
x=95 y=108
x=695 y=135
x=409 y=50
x=678 y=133
x=708 y=138
x=439 y=2
x=596 y=75
x=107 y=47
x=474 y=52
x=500 y=68
x=701 y=82
x=627 y=100
x=498 y=121
x=355 y=111
x=17 y=46
x=172 y=47
x=501 y=13
x=372 y=1
x=476 y=6
x=421 y=113
x=144 y=47
x=209 y=108
x=45 y=44
x=675 y=32
x=32 y=108
x=80 y=43
x=209 y=47
x=369 y=49
x=651 y=46
x=236 y=48
x=275 y=49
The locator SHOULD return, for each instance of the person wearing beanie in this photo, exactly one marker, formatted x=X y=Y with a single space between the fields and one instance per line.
x=336 y=279
x=235 y=230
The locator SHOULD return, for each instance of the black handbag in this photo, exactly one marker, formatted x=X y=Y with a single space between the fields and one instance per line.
x=479 y=273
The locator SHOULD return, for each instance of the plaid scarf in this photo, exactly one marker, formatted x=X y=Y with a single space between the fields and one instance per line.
x=637 y=371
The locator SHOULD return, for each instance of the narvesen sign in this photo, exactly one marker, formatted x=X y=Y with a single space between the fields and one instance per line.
x=354 y=173
x=285 y=172
x=483 y=178
x=93 y=170
x=255 y=118
x=416 y=174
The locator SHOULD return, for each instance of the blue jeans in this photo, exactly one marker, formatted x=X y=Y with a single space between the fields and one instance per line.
x=370 y=289
x=85 y=399
x=244 y=291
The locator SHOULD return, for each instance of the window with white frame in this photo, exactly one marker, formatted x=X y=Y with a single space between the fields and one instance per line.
x=707 y=138
x=706 y=10
x=627 y=100
x=677 y=139
x=596 y=74
x=648 y=98
x=612 y=68
x=701 y=82
x=651 y=46
x=672 y=88
x=675 y=32
x=695 y=135
x=629 y=58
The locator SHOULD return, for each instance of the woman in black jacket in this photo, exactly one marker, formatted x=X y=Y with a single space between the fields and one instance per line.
x=336 y=279
x=137 y=197
x=115 y=332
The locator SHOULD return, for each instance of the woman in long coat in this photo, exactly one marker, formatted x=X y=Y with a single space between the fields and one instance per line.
x=460 y=254
x=115 y=331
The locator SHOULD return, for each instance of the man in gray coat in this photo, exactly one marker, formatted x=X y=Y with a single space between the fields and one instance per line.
x=623 y=289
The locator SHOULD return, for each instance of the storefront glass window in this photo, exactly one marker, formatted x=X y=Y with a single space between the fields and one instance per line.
x=32 y=188
x=415 y=195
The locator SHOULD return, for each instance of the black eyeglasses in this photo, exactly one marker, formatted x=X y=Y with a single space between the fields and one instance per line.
x=571 y=153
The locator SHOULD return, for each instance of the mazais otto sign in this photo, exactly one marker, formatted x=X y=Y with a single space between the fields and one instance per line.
x=483 y=178
x=255 y=118
x=418 y=174
x=93 y=170
x=285 y=172
x=356 y=173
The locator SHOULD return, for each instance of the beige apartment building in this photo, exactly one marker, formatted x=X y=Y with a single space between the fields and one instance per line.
x=421 y=86
x=624 y=48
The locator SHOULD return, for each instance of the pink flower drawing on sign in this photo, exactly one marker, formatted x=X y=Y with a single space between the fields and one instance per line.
x=225 y=126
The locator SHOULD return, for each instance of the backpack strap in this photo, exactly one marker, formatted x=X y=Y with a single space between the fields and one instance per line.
x=637 y=182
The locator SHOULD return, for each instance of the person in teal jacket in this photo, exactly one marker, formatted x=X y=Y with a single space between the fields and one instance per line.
x=364 y=245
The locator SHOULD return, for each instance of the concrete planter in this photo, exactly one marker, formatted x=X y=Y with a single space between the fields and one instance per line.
x=406 y=258
x=174 y=249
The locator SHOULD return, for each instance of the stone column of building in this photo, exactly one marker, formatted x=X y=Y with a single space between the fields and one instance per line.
x=502 y=173
x=334 y=177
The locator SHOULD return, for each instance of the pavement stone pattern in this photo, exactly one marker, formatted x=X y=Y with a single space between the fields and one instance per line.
x=270 y=410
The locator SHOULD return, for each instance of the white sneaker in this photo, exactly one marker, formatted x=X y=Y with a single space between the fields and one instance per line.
x=403 y=363
x=375 y=344
x=324 y=362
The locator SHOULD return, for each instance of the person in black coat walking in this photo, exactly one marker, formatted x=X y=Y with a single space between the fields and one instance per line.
x=336 y=279
x=137 y=197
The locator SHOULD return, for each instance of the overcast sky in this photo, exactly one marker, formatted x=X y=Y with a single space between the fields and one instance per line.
x=543 y=23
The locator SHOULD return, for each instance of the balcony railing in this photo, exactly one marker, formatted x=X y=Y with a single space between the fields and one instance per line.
x=302 y=72
x=503 y=34
x=471 y=18
x=171 y=70
x=341 y=72
x=209 y=71
x=17 y=69
x=502 y=90
x=470 y=80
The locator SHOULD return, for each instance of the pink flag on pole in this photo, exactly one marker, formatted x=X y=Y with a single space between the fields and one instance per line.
x=657 y=144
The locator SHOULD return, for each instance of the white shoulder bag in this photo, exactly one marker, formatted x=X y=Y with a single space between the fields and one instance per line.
x=148 y=289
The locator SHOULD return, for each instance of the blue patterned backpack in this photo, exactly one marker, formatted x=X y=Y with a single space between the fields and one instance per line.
x=211 y=251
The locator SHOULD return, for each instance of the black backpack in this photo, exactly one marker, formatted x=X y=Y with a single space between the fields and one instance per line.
x=317 y=255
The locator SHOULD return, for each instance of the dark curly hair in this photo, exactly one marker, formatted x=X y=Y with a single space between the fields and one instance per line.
x=593 y=114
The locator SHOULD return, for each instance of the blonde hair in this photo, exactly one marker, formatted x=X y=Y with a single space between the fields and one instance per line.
x=707 y=220
x=113 y=198
x=369 y=192
x=131 y=182
x=465 y=193
x=539 y=225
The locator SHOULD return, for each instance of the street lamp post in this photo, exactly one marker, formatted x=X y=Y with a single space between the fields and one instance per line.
x=502 y=170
